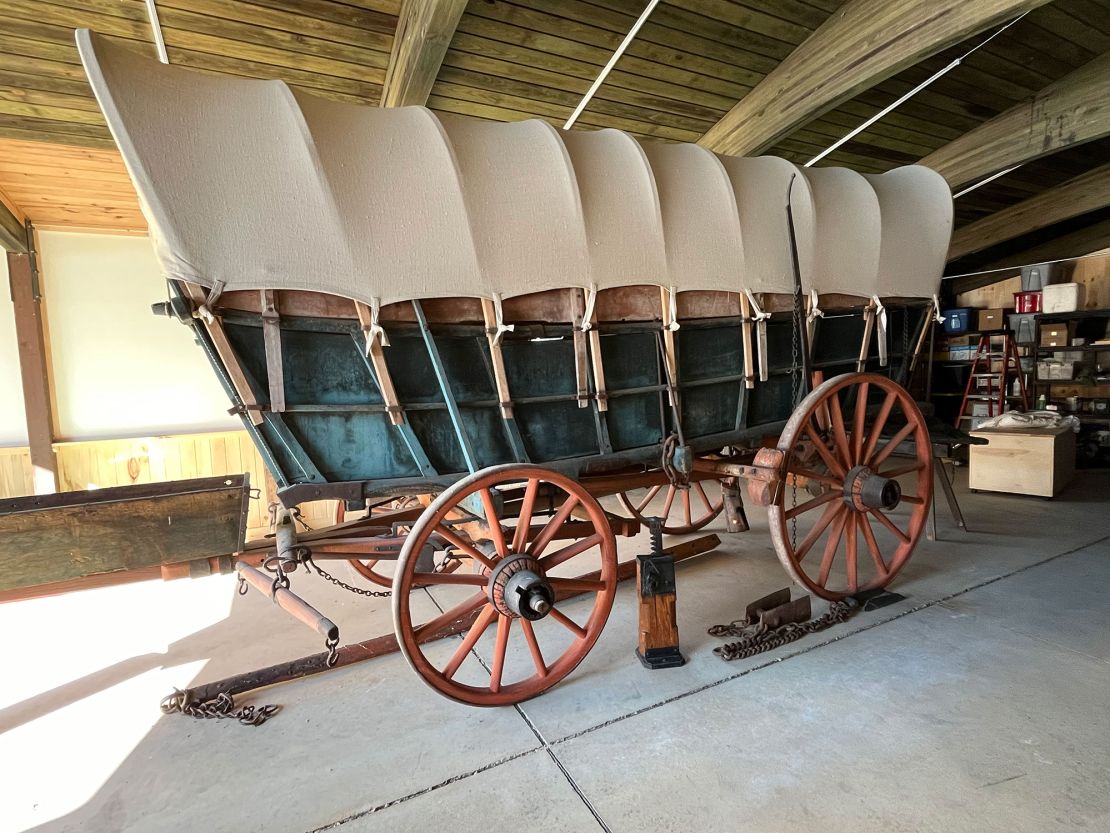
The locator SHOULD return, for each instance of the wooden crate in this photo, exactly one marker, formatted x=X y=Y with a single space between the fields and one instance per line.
x=1023 y=461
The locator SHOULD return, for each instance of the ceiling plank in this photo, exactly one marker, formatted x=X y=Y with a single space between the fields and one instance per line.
x=1084 y=193
x=1071 y=111
x=860 y=45
x=424 y=32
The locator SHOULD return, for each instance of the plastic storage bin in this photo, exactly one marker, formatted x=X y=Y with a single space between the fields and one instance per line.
x=1027 y=302
x=957 y=320
x=1061 y=297
x=1024 y=327
x=1036 y=276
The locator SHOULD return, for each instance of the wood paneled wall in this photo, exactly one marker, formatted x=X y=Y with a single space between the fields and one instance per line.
x=102 y=463
x=1093 y=273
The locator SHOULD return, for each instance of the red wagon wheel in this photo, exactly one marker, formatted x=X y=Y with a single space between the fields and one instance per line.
x=847 y=457
x=516 y=592
x=684 y=510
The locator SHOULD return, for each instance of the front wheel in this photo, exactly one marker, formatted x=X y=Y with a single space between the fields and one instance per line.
x=523 y=574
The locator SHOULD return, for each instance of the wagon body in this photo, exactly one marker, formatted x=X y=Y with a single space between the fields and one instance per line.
x=334 y=438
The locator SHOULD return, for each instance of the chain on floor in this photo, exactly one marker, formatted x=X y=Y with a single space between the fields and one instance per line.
x=220 y=707
x=756 y=638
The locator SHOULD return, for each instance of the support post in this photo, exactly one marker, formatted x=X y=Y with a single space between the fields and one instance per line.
x=655 y=582
x=34 y=370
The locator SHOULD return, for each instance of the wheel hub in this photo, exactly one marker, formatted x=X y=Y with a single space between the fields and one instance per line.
x=518 y=588
x=864 y=490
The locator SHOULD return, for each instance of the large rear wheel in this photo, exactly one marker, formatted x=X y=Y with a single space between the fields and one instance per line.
x=856 y=442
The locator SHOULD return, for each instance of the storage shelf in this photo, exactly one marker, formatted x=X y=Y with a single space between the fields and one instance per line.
x=1087 y=348
x=1068 y=316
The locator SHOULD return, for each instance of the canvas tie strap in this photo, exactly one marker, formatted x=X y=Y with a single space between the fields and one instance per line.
x=815 y=311
x=760 y=317
x=880 y=329
x=591 y=302
x=672 y=309
x=936 y=310
x=204 y=311
x=374 y=331
x=499 y=321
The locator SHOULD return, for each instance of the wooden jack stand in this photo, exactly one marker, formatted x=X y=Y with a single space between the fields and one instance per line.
x=655 y=582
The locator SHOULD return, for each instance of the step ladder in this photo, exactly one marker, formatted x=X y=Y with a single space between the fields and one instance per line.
x=984 y=384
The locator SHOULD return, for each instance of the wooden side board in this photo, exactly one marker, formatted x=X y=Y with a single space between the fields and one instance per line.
x=61 y=537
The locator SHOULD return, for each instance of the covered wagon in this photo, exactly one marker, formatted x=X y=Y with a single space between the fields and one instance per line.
x=510 y=322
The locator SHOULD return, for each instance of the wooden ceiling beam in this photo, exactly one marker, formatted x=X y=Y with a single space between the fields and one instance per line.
x=424 y=32
x=13 y=234
x=861 y=44
x=1092 y=238
x=1086 y=192
x=1068 y=112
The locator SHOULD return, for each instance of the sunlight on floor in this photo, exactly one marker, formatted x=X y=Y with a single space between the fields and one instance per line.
x=73 y=713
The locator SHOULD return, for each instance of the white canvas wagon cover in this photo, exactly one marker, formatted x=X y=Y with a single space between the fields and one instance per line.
x=254 y=185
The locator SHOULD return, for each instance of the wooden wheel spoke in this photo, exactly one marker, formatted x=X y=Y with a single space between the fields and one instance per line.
x=840 y=436
x=524 y=519
x=458 y=543
x=550 y=562
x=831 y=482
x=704 y=496
x=872 y=545
x=504 y=625
x=497 y=533
x=824 y=453
x=822 y=524
x=534 y=647
x=913 y=500
x=878 y=425
x=831 y=546
x=859 y=421
x=449 y=617
x=425 y=579
x=850 y=555
x=567 y=622
x=909 y=468
x=470 y=640
x=686 y=507
x=652 y=492
x=540 y=542
x=576 y=585
x=667 y=503
x=889 y=524
x=811 y=504
x=892 y=444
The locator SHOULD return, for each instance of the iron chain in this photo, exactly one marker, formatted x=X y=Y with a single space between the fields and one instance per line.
x=306 y=557
x=757 y=638
x=220 y=707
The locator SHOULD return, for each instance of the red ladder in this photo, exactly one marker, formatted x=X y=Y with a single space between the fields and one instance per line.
x=996 y=398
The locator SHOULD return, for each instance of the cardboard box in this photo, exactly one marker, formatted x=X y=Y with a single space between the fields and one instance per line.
x=991 y=319
x=1057 y=335
x=958 y=341
x=961 y=354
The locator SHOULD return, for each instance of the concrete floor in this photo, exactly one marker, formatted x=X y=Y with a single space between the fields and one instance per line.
x=977 y=704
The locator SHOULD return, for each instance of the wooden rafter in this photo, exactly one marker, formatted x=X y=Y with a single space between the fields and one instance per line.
x=860 y=45
x=13 y=234
x=424 y=31
x=1071 y=111
x=1086 y=192
x=1092 y=238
